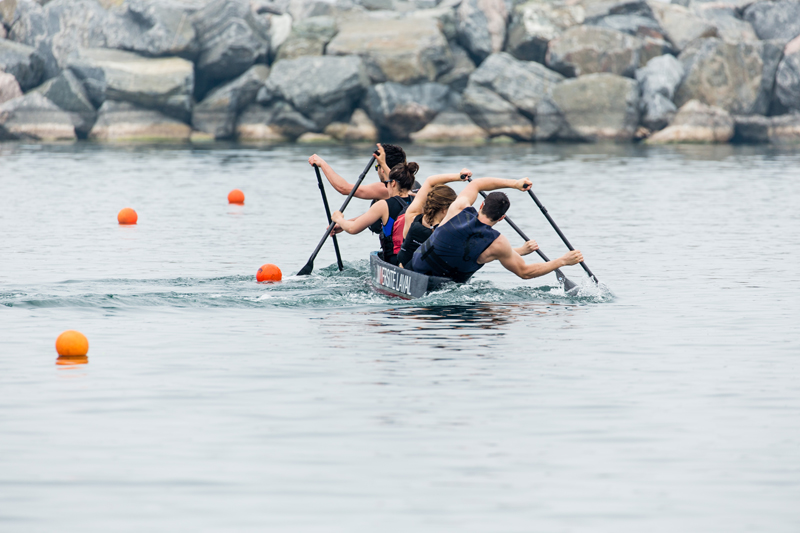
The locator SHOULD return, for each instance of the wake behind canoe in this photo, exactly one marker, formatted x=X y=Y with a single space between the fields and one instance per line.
x=392 y=280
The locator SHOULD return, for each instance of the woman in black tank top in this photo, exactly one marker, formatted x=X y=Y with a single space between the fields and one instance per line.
x=426 y=211
x=401 y=179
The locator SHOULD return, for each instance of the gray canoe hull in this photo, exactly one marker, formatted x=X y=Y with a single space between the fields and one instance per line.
x=395 y=281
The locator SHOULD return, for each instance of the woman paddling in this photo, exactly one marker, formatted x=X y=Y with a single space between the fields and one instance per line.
x=426 y=211
x=399 y=184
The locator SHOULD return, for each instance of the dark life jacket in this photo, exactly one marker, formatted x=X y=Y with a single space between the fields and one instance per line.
x=397 y=206
x=452 y=250
x=417 y=234
x=376 y=227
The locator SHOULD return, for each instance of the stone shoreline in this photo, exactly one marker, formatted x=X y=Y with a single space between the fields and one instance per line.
x=424 y=71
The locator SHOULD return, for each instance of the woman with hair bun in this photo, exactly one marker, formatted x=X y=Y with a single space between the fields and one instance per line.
x=399 y=184
x=426 y=211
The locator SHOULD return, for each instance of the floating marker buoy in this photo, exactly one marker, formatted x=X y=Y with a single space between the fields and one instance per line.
x=236 y=197
x=72 y=343
x=268 y=272
x=127 y=216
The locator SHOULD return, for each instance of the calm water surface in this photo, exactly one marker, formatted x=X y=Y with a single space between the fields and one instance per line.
x=667 y=400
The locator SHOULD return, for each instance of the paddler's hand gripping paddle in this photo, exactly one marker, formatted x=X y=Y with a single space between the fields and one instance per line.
x=306 y=270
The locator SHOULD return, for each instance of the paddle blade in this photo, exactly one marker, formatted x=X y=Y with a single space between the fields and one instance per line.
x=569 y=286
x=306 y=270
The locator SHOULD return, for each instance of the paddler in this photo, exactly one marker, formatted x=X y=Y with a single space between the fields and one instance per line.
x=466 y=239
x=428 y=209
x=386 y=157
x=385 y=212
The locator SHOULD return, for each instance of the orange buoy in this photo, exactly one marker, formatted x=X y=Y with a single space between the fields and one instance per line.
x=236 y=197
x=269 y=272
x=72 y=343
x=127 y=216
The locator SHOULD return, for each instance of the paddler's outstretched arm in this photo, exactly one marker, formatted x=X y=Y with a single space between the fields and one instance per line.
x=372 y=191
x=470 y=193
x=417 y=207
x=501 y=250
x=378 y=211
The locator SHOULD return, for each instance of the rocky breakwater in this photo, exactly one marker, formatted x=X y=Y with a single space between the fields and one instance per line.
x=468 y=71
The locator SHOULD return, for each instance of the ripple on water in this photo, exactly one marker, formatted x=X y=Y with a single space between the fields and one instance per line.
x=325 y=288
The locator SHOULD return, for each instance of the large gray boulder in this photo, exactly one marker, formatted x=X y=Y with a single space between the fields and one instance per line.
x=775 y=20
x=67 y=92
x=736 y=77
x=164 y=84
x=33 y=116
x=149 y=27
x=156 y=28
x=216 y=114
x=22 y=62
x=400 y=110
x=277 y=122
x=450 y=127
x=589 y=49
x=126 y=122
x=458 y=76
x=696 y=122
x=482 y=27
x=535 y=23
x=404 y=50
x=729 y=26
x=308 y=38
x=323 y=88
x=787 y=79
x=681 y=25
x=521 y=83
x=661 y=75
x=9 y=88
x=495 y=115
x=231 y=40
x=657 y=83
x=60 y=27
x=595 y=107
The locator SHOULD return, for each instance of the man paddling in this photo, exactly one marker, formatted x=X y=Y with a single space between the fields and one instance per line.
x=466 y=239
x=386 y=157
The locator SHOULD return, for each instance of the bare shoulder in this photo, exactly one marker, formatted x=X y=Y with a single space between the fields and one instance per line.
x=499 y=248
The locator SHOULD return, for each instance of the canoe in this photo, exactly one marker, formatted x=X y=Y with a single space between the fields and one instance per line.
x=391 y=280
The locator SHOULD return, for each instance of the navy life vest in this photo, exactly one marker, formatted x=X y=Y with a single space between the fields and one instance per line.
x=452 y=250
x=397 y=207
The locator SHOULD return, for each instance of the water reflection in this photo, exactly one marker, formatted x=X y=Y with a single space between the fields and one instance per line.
x=462 y=326
x=72 y=360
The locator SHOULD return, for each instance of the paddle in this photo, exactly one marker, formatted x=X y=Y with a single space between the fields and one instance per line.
x=328 y=213
x=563 y=237
x=306 y=270
x=568 y=285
